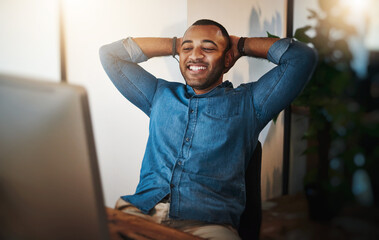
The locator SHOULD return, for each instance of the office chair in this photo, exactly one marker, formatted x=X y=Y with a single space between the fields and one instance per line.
x=251 y=218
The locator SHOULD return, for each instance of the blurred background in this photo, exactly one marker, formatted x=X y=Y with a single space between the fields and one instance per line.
x=340 y=105
x=334 y=133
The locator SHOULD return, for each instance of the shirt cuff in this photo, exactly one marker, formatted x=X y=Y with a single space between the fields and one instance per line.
x=277 y=50
x=135 y=53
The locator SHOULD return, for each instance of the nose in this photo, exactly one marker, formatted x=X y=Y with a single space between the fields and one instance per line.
x=196 y=54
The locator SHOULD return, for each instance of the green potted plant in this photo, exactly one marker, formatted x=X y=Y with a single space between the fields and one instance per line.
x=336 y=119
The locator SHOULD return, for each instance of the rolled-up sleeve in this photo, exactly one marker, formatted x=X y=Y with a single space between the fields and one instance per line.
x=275 y=90
x=120 y=61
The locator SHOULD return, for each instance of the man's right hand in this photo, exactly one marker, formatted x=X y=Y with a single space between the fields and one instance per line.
x=234 y=53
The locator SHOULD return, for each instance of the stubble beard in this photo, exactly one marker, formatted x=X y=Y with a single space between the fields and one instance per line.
x=210 y=79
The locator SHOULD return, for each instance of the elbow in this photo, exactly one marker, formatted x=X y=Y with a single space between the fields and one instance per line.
x=106 y=58
x=103 y=54
x=308 y=63
x=306 y=58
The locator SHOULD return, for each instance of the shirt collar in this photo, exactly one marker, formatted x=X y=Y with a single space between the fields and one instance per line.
x=214 y=91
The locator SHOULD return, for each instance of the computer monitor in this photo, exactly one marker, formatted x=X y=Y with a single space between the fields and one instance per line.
x=49 y=177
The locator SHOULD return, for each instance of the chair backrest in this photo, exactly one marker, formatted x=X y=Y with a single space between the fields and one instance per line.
x=251 y=218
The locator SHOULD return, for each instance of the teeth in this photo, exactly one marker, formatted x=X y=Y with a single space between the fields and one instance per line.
x=197 y=68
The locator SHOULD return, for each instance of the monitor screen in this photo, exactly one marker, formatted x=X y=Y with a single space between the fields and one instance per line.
x=49 y=177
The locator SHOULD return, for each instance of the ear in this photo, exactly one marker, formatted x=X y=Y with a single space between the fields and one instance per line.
x=228 y=60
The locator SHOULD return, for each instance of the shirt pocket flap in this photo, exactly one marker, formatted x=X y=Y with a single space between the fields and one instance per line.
x=224 y=106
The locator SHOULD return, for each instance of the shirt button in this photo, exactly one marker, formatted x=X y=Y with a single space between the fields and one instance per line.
x=180 y=163
x=192 y=110
x=187 y=139
x=172 y=185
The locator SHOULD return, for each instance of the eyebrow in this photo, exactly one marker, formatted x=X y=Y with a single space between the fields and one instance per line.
x=186 y=41
x=210 y=41
x=203 y=41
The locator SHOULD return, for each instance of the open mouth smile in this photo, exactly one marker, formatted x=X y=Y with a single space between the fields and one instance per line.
x=197 y=68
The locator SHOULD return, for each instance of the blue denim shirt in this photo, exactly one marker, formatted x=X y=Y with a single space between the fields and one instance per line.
x=200 y=145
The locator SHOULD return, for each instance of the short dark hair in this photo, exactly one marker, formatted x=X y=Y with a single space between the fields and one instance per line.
x=203 y=22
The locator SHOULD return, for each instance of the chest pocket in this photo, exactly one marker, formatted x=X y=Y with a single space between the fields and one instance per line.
x=224 y=106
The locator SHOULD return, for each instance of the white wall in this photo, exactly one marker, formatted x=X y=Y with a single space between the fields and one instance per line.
x=29 y=42
x=121 y=130
x=252 y=18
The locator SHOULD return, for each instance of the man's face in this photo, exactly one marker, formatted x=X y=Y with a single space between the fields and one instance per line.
x=202 y=57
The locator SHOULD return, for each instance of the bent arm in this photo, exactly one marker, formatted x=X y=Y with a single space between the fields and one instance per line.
x=119 y=60
x=275 y=90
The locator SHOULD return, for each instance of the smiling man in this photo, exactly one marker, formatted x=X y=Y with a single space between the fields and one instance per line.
x=202 y=134
x=202 y=58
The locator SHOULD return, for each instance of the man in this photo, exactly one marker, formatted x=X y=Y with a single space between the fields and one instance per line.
x=202 y=134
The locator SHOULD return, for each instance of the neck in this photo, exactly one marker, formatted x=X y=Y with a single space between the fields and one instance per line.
x=208 y=89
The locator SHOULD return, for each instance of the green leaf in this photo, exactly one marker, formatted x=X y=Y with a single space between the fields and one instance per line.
x=271 y=35
x=301 y=35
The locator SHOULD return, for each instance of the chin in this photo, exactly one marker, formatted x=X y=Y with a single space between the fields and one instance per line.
x=194 y=83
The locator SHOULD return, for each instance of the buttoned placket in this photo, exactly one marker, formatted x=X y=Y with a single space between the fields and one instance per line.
x=184 y=154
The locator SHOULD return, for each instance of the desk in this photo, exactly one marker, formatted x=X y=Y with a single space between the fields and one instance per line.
x=125 y=226
x=286 y=217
